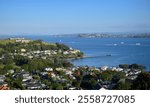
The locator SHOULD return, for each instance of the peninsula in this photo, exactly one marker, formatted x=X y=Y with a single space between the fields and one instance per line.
x=36 y=65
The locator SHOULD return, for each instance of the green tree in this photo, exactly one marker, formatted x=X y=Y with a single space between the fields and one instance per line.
x=76 y=83
x=124 y=66
x=21 y=60
x=7 y=59
x=8 y=67
x=62 y=47
x=117 y=76
x=137 y=66
x=37 y=77
x=89 y=82
x=123 y=86
x=57 y=86
x=142 y=82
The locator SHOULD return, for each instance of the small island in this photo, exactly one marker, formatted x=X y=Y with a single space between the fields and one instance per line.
x=36 y=65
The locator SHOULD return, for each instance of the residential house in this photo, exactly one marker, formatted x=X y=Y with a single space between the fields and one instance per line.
x=4 y=88
x=2 y=78
x=49 y=69
x=104 y=68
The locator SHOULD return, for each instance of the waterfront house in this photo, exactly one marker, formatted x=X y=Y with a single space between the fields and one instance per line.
x=104 y=68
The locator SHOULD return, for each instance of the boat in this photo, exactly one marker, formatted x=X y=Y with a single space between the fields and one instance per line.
x=108 y=55
x=137 y=44
x=122 y=42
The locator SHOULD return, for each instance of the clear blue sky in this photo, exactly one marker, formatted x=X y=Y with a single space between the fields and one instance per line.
x=73 y=16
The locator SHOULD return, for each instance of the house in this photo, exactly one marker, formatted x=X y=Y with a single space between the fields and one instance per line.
x=47 y=52
x=53 y=75
x=133 y=77
x=77 y=73
x=4 y=88
x=26 y=78
x=25 y=75
x=68 y=72
x=36 y=52
x=44 y=73
x=23 y=40
x=2 y=78
x=43 y=57
x=113 y=68
x=30 y=57
x=33 y=86
x=11 y=71
x=104 y=68
x=75 y=51
x=53 y=52
x=23 y=50
x=65 y=52
x=49 y=69
x=3 y=84
x=119 y=69
x=60 y=69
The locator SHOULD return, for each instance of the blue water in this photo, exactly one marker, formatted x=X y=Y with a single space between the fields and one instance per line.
x=122 y=50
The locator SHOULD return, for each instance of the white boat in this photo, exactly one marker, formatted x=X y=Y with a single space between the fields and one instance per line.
x=138 y=44
x=122 y=42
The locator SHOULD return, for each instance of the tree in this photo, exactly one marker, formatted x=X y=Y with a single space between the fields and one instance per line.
x=8 y=67
x=117 y=76
x=20 y=60
x=7 y=59
x=123 y=86
x=67 y=64
x=107 y=75
x=124 y=66
x=62 y=47
x=142 y=82
x=137 y=66
x=37 y=77
x=57 y=86
x=89 y=82
x=76 y=83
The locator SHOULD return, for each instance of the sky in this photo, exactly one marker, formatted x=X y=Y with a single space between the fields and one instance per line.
x=73 y=16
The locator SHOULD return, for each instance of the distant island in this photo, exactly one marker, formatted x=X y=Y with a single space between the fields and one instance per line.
x=115 y=35
x=36 y=65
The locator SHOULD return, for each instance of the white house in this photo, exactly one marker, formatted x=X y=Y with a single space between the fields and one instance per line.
x=23 y=50
x=2 y=78
x=49 y=69
x=104 y=68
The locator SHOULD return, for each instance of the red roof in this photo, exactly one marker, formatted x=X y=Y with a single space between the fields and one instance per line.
x=4 y=88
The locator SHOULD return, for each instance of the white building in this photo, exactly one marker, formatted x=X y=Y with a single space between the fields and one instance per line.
x=104 y=68
x=49 y=69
